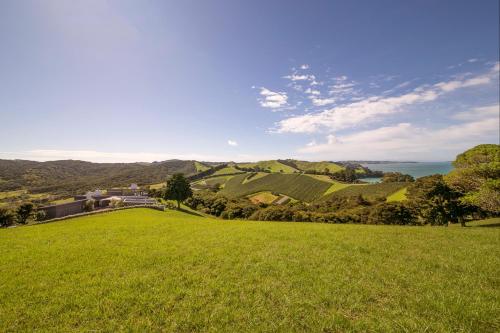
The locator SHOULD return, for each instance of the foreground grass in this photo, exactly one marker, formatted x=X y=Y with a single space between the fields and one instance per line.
x=144 y=270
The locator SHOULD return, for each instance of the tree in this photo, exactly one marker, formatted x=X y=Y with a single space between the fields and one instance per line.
x=24 y=212
x=392 y=213
x=6 y=217
x=89 y=205
x=177 y=189
x=477 y=177
x=435 y=202
x=394 y=177
x=40 y=215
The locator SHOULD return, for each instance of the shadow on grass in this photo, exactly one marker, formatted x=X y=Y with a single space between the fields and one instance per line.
x=492 y=225
x=189 y=212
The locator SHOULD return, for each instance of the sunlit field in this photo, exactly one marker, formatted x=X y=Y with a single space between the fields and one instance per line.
x=145 y=270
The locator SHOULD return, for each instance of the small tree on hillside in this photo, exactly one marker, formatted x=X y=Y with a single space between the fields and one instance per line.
x=24 y=212
x=177 y=189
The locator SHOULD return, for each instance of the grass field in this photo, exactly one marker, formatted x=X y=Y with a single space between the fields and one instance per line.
x=272 y=165
x=145 y=270
x=14 y=198
x=264 y=197
x=336 y=186
x=399 y=195
x=319 y=166
x=200 y=167
x=301 y=187
x=370 y=191
x=227 y=171
x=157 y=186
x=256 y=175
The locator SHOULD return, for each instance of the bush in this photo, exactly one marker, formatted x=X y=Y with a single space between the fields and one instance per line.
x=7 y=218
x=40 y=215
x=24 y=212
x=89 y=205
x=392 y=213
x=116 y=203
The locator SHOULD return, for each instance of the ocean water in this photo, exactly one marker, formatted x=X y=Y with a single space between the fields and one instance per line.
x=418 y=169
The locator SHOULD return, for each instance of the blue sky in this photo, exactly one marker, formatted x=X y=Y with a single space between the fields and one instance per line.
x=231 y=80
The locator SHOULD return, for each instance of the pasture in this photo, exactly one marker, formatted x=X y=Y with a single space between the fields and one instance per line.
x=370 y=191
x=319 y=166
x=300 y=187
x=229 y=170
x=272 y=165
x=145 y=270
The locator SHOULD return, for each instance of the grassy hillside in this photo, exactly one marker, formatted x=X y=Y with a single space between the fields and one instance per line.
x=301 y=187
x=200 y=167
x=369 y=191
x=203 y=183
x=263 y=197
x=77 y=176
x=272 y=165
x=144 y=270
x=228 y=171
x=318 y=166
x=399 y=195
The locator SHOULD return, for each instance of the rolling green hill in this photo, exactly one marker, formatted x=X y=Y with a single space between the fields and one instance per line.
x=297 y=186
x=200 y=167
x=142 y=270
x=318 y=166
x=77 y=176
x=272 y=165
x=229 y=170
x=370 y=191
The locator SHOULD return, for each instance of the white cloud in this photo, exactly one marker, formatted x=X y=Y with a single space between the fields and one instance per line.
x=473 y=60
x=405 y=141
x=298 y=77
x=375 y=107
x=322 y=101
x=232 y=143
x=496 y=68
x=104 y=157
x=304 y=66
x=126 y=157
x=351 y=114
x=490 y=111
x=272 y=99
x=312 y=92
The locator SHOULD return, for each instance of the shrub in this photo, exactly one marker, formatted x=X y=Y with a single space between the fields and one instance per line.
x=7 y=218
x=89 y=205
x=24 y=212
x=40 y=215
x=392 y=213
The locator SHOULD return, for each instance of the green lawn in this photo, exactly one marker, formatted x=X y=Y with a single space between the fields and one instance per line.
x=145 y=270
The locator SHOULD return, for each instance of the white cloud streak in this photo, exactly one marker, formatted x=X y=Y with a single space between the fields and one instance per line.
x=410 y=142
x=271 y=99
x=373 y=108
